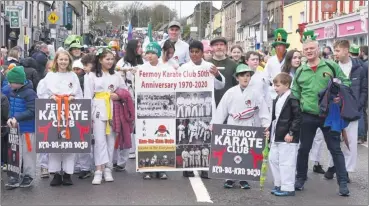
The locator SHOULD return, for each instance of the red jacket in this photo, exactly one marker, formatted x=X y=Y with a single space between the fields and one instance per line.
x=123 y=119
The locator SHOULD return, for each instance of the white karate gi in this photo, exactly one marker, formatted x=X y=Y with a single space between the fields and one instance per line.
x=272 y=69
x=187 y=103
x=57 y=83
x=283 y=155
x=104 y=143
x=197 y=158
x=316 y=149
x=261 y=84
x=201 y=105
x=192 y=158
x=185 y=156
x=180 y=106
x=208 y=105
x=205 y=157
x=181 y=132
x=234 y=102
x=193 y=131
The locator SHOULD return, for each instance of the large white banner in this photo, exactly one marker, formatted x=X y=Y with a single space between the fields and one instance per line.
x=173 y=113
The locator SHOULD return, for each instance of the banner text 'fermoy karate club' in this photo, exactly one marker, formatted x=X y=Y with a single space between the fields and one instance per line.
x=173 y=113
x=236 y=152
x=50 y=139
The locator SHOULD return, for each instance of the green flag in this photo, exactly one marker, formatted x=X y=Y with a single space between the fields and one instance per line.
x=149 y=32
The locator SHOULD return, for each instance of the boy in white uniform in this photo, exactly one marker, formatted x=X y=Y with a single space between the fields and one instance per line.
x=187 y=103
x=235 y=102
x=201 y=104
x=180 y=105
x=195 y=105
x=284 y=137
x=181 y=132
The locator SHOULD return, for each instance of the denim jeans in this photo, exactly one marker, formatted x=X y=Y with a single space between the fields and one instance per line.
x=309 y=124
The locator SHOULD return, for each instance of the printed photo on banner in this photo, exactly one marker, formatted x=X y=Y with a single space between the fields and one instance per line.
x=193 y=131
x=156 y=159
x=153 y=131
x=156 y=105
x=193 y=156
x=70 y=134
x=194 y=104
x=236 y=152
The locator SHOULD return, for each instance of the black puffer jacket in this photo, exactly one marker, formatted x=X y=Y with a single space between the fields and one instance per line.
x=359 y=82
x=30 y=66
x=289 y=120
x=4 y=114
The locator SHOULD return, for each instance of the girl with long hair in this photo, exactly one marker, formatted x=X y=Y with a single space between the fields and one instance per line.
x=100 y=85
x=291 y=62
x=236 y=54
x=59 y=83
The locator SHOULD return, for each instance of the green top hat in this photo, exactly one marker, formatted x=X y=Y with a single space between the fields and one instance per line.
x=354 y=49
x=243 y=68
x=310 y=34
x=73 y=41
x=280 y=37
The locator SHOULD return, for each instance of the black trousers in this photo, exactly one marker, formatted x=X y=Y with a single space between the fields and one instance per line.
x=4 y=148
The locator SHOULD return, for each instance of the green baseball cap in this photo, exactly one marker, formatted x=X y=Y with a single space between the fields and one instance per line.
x=354 y=49
x=243 y=68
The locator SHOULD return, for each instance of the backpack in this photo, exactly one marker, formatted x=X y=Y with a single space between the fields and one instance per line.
x=329 y=65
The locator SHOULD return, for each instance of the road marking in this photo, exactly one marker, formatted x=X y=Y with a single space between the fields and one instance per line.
x=202 y=194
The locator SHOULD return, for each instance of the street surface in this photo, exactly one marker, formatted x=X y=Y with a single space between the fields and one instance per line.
x=130 y=189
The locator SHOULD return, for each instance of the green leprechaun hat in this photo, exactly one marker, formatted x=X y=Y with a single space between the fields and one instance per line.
x=280 y=37
x=310 y=34
x=354 y=49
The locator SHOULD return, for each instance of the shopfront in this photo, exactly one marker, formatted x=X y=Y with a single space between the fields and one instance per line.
x=353 y=27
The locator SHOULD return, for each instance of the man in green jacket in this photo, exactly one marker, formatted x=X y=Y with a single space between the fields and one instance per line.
x=309 y=81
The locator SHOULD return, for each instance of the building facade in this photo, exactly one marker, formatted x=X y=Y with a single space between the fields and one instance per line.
x=347 y=22
x=294 y=14
x=230 y=22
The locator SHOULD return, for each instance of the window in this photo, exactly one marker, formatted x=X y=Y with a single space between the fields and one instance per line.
x=362 y=41
x=289 y=23
x=42 y=16
x=302 y=17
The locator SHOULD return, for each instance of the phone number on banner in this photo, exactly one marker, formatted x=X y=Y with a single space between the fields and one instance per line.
x=236 y=171
x=63 y=145
x=193 y=84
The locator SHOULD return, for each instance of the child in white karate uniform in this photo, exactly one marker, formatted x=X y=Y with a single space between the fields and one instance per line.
x=100 y=85
x=284 y=137
x=242 y=105
x=61 y=81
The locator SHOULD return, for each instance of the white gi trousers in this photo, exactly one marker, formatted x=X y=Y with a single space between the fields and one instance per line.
x=121 y=156
x=180 y=111
x=188 y=111
x=57 y=161
x=282 y=160
x=181 y=135
x=205 y=160
x=192 y=135
x=104 y=144
x=85 y=161
x=197 y=160
x=194 y=111
x=43 y=158
x=350 y=155
x=201 y=111
x=28 y=157
x=192 y=160
x=316 y=149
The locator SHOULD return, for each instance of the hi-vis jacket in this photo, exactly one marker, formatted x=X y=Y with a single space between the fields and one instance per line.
x=246 y=108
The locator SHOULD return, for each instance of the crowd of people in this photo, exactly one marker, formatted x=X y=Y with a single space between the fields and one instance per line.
x=281 y=93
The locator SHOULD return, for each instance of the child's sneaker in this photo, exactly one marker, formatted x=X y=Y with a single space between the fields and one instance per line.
x=12 y=183
x=162 y=175
x=228 y=184
x=67 y=180
x=26 y=182
x=97 y=178
x=147 y=176
x=276 y=189
x=57 y=180
x=284 y=193
x=244 y=185
x=84 y=174
x=119 y=168
x=44 y=173
x=108 y=177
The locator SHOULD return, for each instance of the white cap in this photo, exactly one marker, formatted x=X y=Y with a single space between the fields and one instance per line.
x=77 y=64
x=60 y=49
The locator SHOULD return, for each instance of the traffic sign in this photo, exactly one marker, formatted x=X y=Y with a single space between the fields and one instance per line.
x=12 y=12
x=53 y=18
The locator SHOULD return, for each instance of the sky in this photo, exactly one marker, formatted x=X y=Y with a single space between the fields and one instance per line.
x=186 y=7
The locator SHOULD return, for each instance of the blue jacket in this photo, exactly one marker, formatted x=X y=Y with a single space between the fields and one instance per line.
x=22 y=107
x=359 y=82
x=334 y=119
x=6 y=89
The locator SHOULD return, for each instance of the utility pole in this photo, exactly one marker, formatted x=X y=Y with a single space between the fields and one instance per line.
x=261 y=23
x=211 y=20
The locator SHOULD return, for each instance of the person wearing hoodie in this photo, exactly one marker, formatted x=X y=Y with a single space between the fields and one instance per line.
x=352 y=68
x=30 y=66
x=41 y=56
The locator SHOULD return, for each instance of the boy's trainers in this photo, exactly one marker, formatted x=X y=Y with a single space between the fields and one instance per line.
x=284 y=193
x=57 y=180
x=244 y=185
x=97 y=178
x=318 y=169
x=162 y=176
x=67 y=180
x=119 y=168
x=330 y=173
x=12 y=183
x=228 y=184
x=147 y=176
x=108 y=177
x=343 y=191
x=276 y=189
x=84 y=174
x=26 y=182
x=44 y=173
